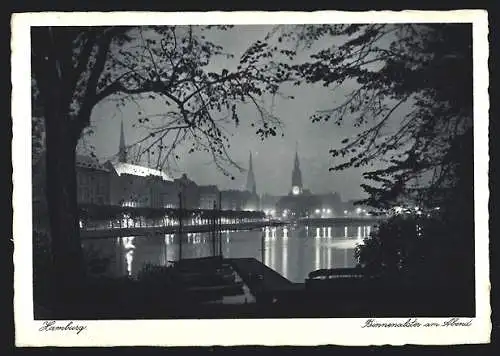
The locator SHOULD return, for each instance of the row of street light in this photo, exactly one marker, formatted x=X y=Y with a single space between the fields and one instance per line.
x=323 y=213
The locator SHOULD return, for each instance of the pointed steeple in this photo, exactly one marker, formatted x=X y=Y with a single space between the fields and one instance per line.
x=122 y=150
x=251 y=185
x=296 y=164
x=296 y=173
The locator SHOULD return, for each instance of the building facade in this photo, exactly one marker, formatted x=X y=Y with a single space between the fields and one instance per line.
x=209 y=197
x=301 y=202
x=268 y=204
x=189 y=192
x=234 y=199
x=298 y=202
x=93 y=181
x=135 y=185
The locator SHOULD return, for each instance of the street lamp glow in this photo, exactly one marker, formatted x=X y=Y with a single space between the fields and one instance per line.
x=317 y=211
x=346 y=212
x=328 y=211
x=129 y=257
x=358 y=210
x=128 y=242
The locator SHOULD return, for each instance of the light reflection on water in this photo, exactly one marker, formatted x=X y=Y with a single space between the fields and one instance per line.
x=291 y=251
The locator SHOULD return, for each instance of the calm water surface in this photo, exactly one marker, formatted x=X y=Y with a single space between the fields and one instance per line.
x=291 y=251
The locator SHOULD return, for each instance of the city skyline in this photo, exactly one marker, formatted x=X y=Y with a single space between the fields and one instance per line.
x=242 y=179
x=288 y=171
x=315 y=139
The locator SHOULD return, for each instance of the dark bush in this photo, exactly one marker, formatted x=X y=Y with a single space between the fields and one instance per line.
x=417 y=249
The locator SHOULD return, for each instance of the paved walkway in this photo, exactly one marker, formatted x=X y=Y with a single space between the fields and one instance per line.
x=157 y=230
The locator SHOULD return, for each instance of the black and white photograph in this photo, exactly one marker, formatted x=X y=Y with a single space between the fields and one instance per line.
x=266 y=171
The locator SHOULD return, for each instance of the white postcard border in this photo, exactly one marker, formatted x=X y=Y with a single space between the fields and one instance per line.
x=239 y=332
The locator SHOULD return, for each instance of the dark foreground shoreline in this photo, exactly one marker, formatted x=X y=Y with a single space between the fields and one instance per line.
x=275 y=297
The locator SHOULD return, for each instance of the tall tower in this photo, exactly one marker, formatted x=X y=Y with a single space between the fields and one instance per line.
x=296 y=175
x=251 y=186
x=122 y=150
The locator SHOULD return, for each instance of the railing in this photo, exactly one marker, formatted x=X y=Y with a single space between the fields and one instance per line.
x=99 y=233
x=113 y=211
x=135 y=225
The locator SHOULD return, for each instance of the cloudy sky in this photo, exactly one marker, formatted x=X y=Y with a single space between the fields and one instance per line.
x=272 y=158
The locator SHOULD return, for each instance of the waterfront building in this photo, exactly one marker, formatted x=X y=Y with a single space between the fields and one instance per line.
x=169 y=194
x=208 y=196
x=301 y=202
x=234 y=199
x=297 y=206
x=189 y=190
x=93 y=184
x=93 y=181
x=135 y=185
x=331 y=205
x=268 y=204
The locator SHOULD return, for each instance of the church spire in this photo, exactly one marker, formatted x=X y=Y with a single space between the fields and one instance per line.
x=296 y=173
x=251 y=185
x=296 y=165
x=122 y=150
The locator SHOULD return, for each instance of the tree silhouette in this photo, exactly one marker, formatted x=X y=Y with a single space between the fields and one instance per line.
x=411 y=98
x=76 y=68
x=425 y=69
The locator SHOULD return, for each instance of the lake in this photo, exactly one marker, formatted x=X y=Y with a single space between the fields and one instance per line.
x=292 y=251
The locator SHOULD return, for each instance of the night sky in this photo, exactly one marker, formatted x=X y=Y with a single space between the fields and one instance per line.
x=272 y=158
